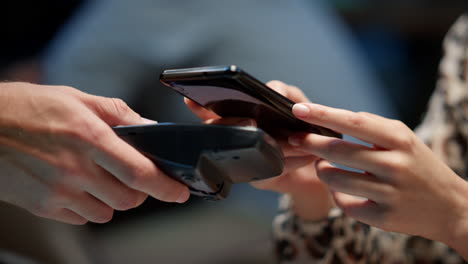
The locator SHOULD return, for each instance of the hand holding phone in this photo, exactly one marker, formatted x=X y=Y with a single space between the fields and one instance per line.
x=230 y=92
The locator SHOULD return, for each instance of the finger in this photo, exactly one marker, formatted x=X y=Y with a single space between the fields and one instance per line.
x=290 y=164
x=287 y=181
x=362 y=126
x=90 y=208
x=105 y=187
x=232 y=121
x=289 y=91
x=69 y=217
x=114 y=111
x=343 y=152
x=363 y=210
x=279 y=86
x=135 y=170
x=200 y=111
x=297 y=95
x=352 y=183
x=291 y=151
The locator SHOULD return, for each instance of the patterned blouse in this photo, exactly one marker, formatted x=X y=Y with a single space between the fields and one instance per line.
x=340 y=239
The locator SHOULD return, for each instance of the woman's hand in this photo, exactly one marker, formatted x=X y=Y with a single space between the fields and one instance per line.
x=311 y=198
x=60 y=158
x=406 y=187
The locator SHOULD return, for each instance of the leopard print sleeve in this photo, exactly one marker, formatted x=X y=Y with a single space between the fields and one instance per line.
x=340 y=239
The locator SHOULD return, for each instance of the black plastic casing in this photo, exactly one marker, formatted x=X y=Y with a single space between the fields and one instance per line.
x=207 y=158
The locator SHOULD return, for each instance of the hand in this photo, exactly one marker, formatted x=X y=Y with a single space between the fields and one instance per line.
x=61 y=160
x=406 y=187
x=311 y=198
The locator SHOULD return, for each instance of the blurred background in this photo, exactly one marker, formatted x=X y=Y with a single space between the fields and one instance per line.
x=364 y=55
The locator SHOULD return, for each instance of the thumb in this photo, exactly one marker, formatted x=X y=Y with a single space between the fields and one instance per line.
x=114 y=111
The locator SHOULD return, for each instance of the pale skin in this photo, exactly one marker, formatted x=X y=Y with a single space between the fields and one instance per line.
x=61 y=160
x=405 y=187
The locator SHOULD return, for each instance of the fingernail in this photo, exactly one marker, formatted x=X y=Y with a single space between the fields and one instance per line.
x=148 y=121
x=247 y=122
x=184 y=196
x=300 y=110
x=294 y=141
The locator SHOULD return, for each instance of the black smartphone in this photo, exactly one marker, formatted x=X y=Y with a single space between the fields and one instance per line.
x=231 y=92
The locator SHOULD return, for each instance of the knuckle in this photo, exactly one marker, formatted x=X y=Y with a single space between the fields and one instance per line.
x=120 y=107
x=133 y=180
x=278 y=86
x=408 y=142
x=96 y=132
x=388 y=194
x=71 y=175
x=275 y=83
x=334 y=146
x=138 y=176
x=73 y=130
x=84 y=130
x=56 y=193
x=296 y=90
x=299 y=94
x=63 y=89
x=399 y=125
x=42 y=209
x=71 y=170
x=321 y=113
x=405 y=137
x=127 y=201
x=66 y=88
x=395 y=166
x=356 y=120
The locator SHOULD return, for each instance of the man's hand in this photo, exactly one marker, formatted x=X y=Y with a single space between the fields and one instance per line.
x=60 y=158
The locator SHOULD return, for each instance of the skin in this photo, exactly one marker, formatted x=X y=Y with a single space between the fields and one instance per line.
x=407 y=189
x=400 y=185
x=61 y=160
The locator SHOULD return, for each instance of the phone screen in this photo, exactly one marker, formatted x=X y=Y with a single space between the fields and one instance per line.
x=230 y=92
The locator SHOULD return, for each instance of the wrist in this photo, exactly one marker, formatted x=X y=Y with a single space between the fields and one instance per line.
x=314 y=205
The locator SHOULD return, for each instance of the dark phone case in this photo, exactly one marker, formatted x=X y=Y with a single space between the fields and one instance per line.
x=207 y=158
x=271 y=110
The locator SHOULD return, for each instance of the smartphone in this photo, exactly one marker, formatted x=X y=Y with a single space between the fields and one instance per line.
x=231 y=92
